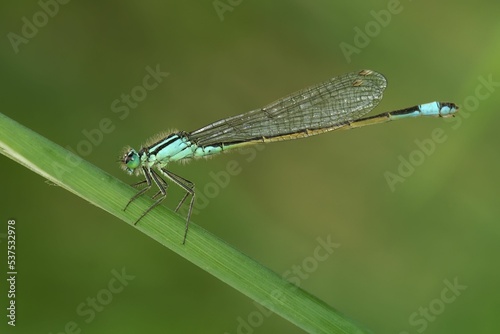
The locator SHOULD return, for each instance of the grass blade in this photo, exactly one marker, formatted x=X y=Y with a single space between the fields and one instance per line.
x=85 y=180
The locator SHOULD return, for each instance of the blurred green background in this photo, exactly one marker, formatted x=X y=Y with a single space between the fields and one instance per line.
x=400 y=247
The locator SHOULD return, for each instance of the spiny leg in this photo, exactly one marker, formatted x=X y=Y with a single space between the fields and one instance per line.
x=146 y=173
x=135 y=185
x=160 y=184
x=188 y=186
x=165 y=184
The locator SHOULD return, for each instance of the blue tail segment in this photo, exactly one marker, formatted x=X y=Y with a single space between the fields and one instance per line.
x=435 y=109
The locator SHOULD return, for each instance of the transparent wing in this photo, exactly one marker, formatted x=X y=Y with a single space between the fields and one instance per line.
x=326 y=105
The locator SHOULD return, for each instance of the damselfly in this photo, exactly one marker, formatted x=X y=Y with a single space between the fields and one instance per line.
x=337 y=104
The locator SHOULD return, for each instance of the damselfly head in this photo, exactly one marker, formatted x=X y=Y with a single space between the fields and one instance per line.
x=130 y=160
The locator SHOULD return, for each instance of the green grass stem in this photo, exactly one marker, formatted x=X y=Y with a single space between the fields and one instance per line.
x=213 y=255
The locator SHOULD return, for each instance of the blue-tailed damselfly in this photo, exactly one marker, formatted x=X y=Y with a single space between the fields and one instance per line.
x=336 y=104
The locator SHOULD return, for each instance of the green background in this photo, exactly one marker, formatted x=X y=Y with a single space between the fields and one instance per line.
x=397 y=247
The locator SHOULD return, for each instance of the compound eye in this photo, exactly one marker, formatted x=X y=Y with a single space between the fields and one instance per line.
x=131 y=160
